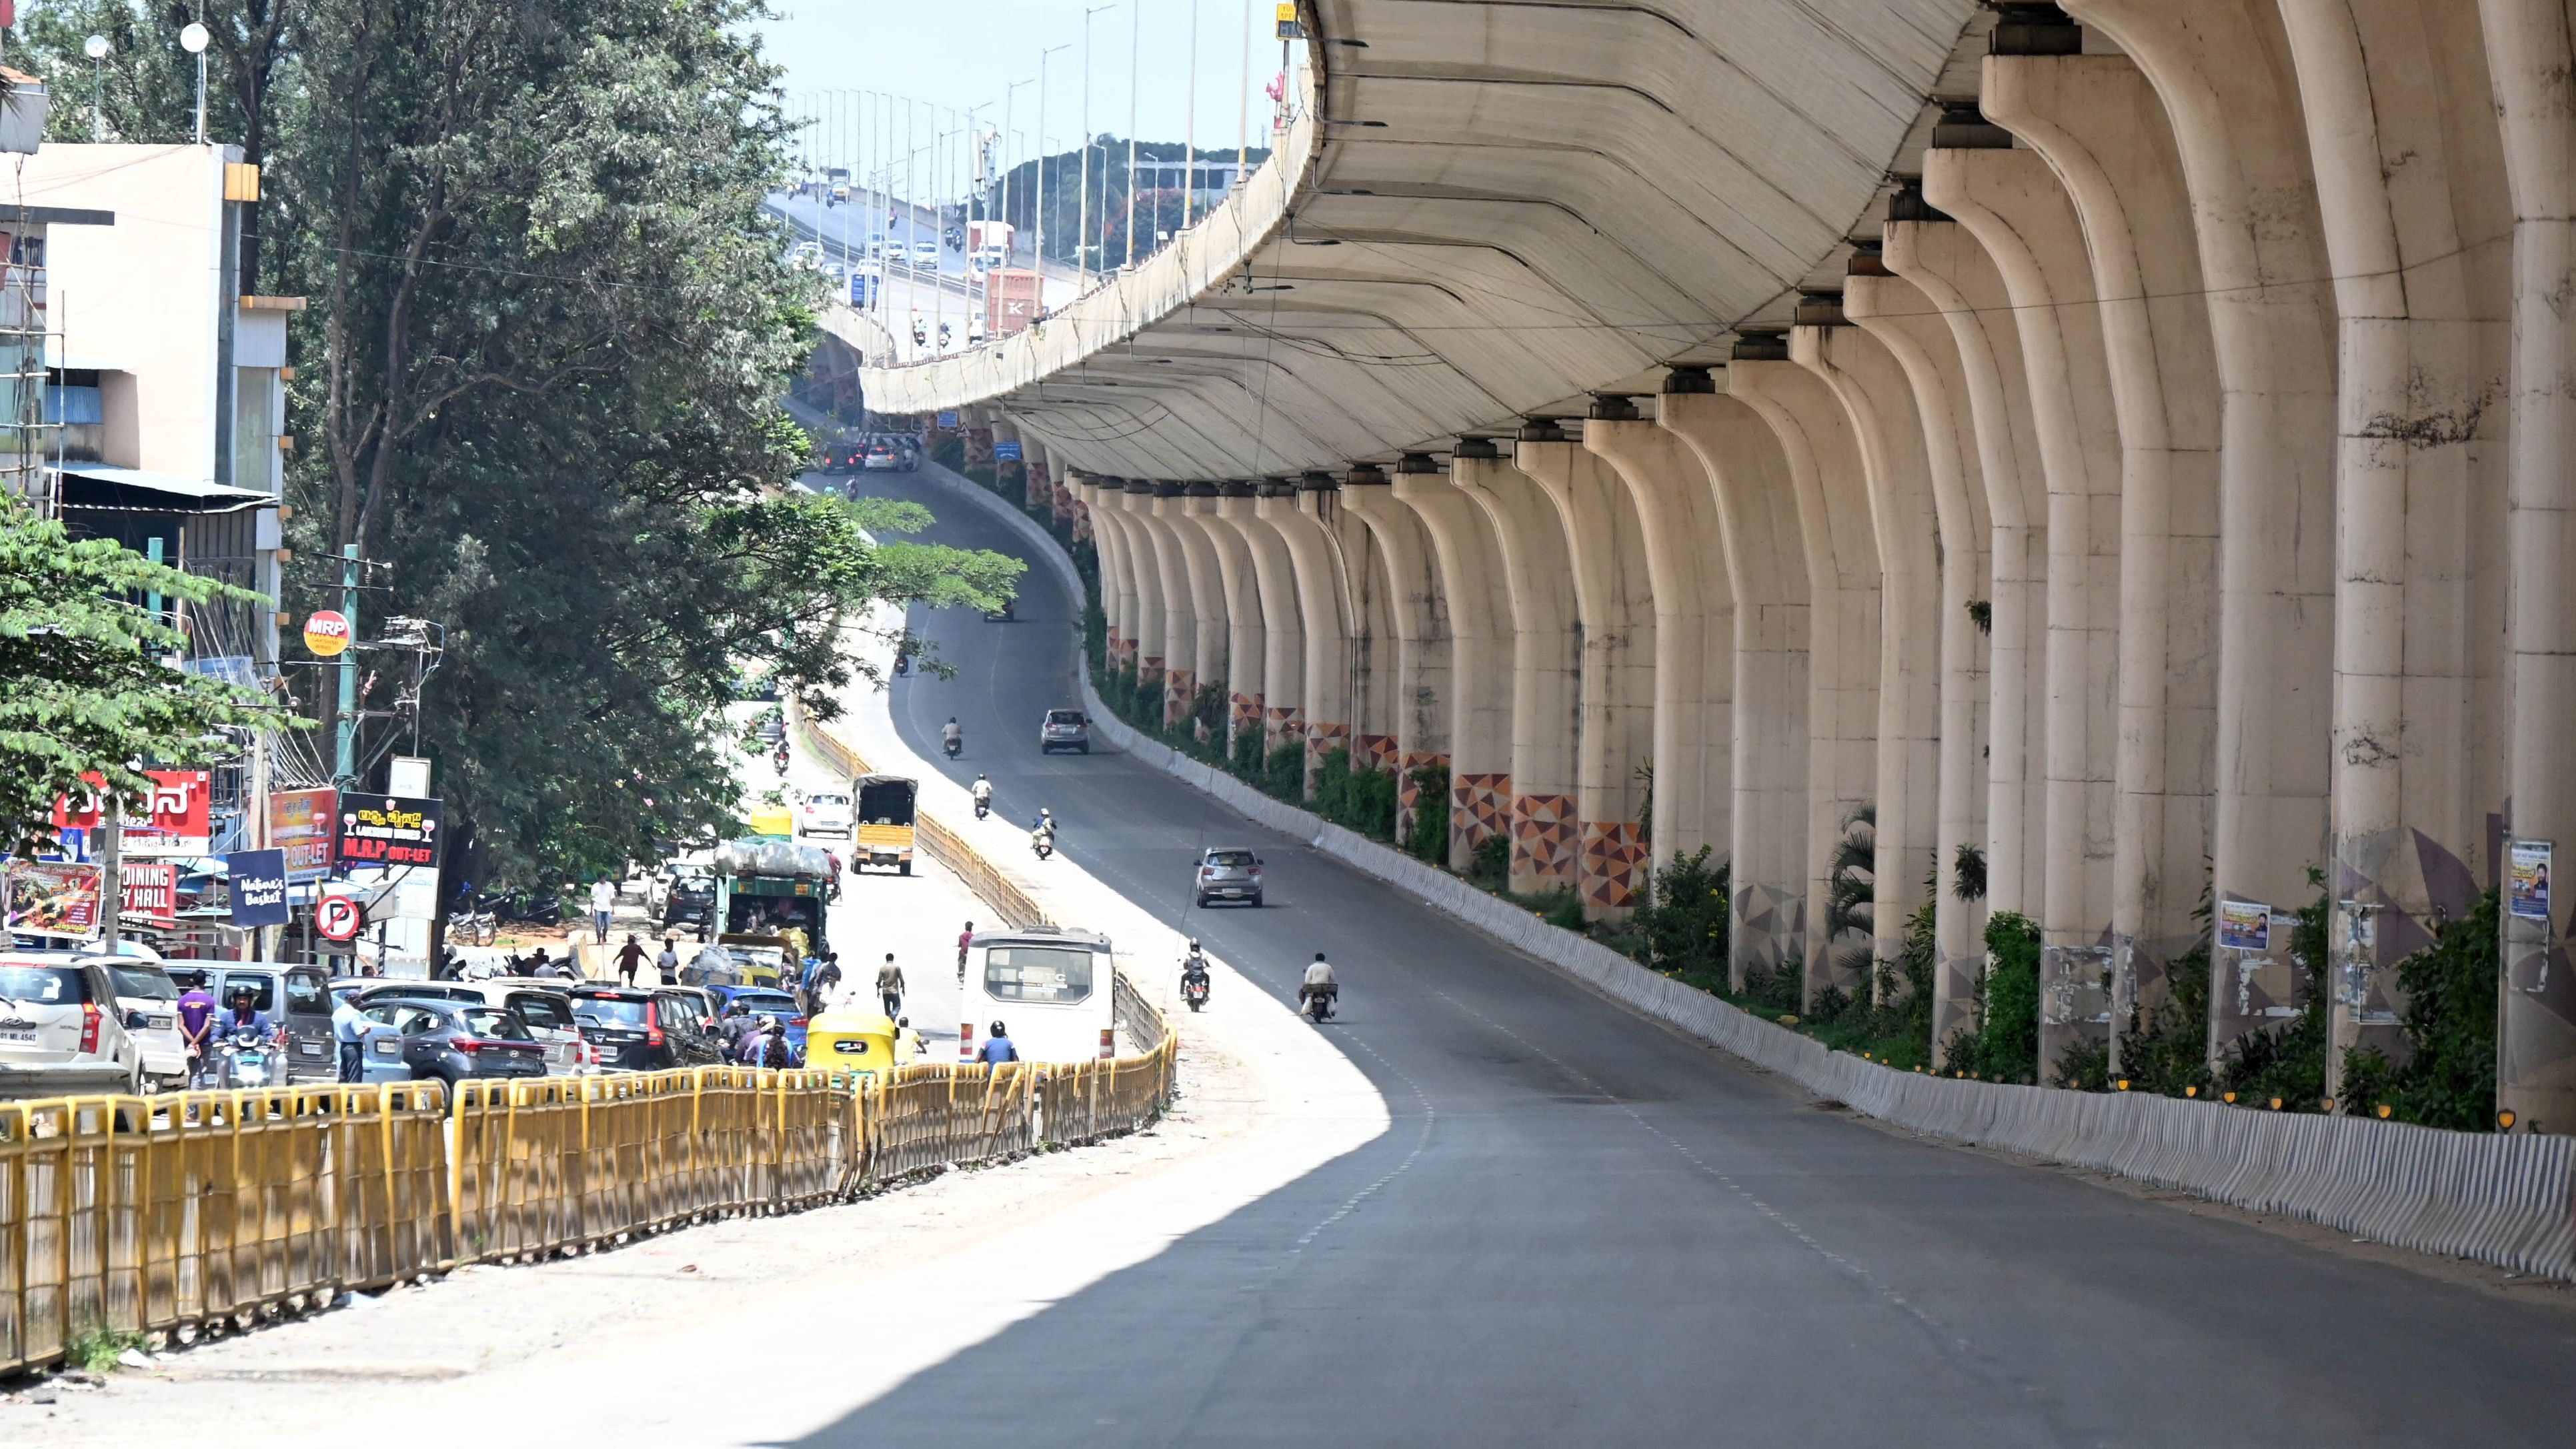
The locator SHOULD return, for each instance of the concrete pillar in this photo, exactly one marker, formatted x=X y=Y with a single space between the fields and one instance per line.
x=1283 y=626
x=1240 y=597
x=1546 y=652
x=1117 y=575
x=1420 y=683
x=1173 y=587
x=1472 y=577
x=1373 y=597
x=1295 y=512
x=2410 y=187
x=1757 y=514
x=2101 y=129
x=2532 y=57
x=1888 y=429
x=1911 y=328
x=1953 y=271
x=2222 y=69
x=1841 y=556
x=1155 y=598
x=1207 y=600
x=1694 y=626
x=2014 y=206
x=1615 y=610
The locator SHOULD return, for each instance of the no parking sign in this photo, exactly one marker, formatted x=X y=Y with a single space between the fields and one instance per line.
x=339 y=918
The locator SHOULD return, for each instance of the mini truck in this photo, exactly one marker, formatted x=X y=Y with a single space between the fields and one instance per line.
x=884 y=833
x=771 y=897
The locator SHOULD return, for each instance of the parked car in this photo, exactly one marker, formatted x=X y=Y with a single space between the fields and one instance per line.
x=147 y=1001
x=60 y=1031
x=295 y=997
x=637 y=1030
x=418 y=1039
x=1064 y=729
x=881 y=458
x=1227 y=873
x=548 y=1013
x=825 y=812
x=691 y=901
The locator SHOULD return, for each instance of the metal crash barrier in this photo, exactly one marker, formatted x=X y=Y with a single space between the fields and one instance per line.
x=156 y=1213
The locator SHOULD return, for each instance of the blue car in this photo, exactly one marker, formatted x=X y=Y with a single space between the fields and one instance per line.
x=768 y=1001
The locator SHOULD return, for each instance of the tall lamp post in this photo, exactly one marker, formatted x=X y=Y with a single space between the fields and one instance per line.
x=1135 y=32
x=193 y=40
x=1042 y=160
x=96 y=49
x=1082 y=222
x=1011 y=251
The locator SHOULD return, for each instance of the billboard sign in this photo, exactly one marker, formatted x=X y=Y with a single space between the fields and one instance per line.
x=176 y=818
x=150 y=891
x=299 y=824
x=54 y=898
x=258 y=887
x=387 y=830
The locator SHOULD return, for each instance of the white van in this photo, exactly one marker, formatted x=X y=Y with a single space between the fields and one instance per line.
x=1050 y=986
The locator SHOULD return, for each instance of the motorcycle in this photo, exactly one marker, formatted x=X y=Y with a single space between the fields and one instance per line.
x=1194 y=990
x=983 y=807
x=1042 y=842
x=953 y=747
x=780 y=759
x=244 y=1060
x=1319 y=1007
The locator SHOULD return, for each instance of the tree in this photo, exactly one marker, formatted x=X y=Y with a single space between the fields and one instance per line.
x=84 y=688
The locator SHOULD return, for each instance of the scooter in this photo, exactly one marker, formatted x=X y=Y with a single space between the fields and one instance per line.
x=780 y=759
x=952 y=747
x=1042 y=842
x=244 y=1061
x=1319 y=1007
x=983 y=808
x=1194 y=990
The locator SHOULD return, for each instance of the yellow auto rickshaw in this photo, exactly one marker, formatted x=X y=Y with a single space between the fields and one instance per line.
x=855 y=1039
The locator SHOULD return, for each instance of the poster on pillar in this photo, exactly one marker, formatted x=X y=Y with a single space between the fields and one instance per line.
x=2528 y=889
x=2244 y=925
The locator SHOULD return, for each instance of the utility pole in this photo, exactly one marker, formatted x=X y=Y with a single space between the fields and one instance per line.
x=1042 y=160
x=257 y=946
x=1243 y=103
x=1082 y=222
x=111 y=854
x=344 y=764
x=1135 y=30
x=1011 y=251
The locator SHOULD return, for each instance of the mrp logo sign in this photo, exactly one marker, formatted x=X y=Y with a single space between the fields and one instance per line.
x=387 y=830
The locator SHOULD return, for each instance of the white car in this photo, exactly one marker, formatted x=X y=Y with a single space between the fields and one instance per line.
x=825 y=813
x=925 y=254
x=61 y=1032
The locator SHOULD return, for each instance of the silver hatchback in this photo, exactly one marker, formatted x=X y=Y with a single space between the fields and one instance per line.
x=1065 y=729
x=1228 y=873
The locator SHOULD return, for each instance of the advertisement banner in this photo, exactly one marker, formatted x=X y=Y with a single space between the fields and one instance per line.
x=2527 y=879
x=299 y=825
x=150 y=890
x=176 y=819
x=258 y=887
x=387 y=830
x=2245 y=925
x=48 y=898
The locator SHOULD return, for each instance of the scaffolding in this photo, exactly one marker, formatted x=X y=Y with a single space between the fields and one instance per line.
x=28 y=434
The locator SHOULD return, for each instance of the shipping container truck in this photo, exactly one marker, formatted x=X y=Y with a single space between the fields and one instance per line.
x=1011 y=301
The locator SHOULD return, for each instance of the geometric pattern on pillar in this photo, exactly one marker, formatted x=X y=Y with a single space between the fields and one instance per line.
x=1480 y=806
x=1546 y=838
x=1323 y=737
x=1243 y=712
x=1149 y=670
x=1766 y=919
x=1122 y=651
x=1408 y=791
x=1280 y=725
x=1373 y=752
x=1613 y=874
x=1180 y=695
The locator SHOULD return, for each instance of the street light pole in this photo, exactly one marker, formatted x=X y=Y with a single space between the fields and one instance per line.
x=1190 y=125
x=1042 y=160
x=1082 y=221
x=1011 y=249
x=1135 y=34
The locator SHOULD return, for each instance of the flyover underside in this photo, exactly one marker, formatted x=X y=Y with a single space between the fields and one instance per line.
x=2110 y=465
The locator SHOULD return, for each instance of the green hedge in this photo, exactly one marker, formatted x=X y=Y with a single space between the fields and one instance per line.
x=1426 y=838
x=2003 y=1043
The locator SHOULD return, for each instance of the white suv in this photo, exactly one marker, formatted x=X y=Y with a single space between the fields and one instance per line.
x=61 y=1031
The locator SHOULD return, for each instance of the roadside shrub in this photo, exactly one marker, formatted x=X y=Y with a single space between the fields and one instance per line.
x=2288 y=1061
x=1683 y=930
x=1361 y=800
x=1894 y=1023
x=1778 y=992
x=1489 y=865
x=1426 y=838
x=2449 y=1077
x=1243 y=759
x=2003 y=1043
x=1852 y=891
x=1283 y=773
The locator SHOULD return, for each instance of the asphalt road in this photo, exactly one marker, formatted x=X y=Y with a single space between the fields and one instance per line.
x=1582 y=1228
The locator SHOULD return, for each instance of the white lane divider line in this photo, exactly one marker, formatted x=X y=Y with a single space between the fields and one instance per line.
x=1430 y=1115
x=1841 y=1263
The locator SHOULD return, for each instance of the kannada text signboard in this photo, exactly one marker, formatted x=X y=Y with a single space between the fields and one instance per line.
x=387 y=830
x=175 y=819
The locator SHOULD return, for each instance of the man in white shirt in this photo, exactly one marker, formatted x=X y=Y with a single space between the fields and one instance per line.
x=603 y=901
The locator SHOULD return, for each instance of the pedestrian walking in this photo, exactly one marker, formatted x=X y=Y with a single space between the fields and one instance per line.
x=349 y=1028
x=965 y=938
x=890 y=986
x=630 y=958
x=825 y=983
x=603 y=904
x=668 y=963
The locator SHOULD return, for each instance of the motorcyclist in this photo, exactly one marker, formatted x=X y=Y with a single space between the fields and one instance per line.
x=1319 y=982
x=982 y=790
x=952 y=735
x=1194 y=969
x=246 y=1017
x=1042 y=832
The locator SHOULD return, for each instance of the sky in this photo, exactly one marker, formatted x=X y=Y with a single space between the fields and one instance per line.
x=954 y=54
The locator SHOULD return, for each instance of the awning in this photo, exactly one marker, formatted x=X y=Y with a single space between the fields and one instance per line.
x=96 y=486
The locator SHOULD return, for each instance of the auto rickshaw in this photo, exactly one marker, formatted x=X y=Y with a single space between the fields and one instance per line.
x=856 y=1039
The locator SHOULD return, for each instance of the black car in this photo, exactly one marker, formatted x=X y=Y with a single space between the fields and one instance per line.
x=447 y=1040
x=643 y=1031
x=692 y=902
